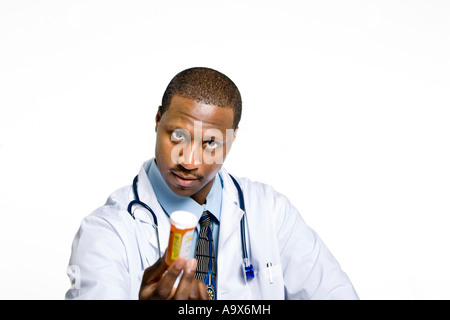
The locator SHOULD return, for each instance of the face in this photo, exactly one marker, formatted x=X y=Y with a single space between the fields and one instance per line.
x=192 y=141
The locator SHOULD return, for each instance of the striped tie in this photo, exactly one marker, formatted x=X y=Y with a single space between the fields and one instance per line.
x=206 y=265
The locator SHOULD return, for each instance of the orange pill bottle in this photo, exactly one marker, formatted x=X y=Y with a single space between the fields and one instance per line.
x=182 y=226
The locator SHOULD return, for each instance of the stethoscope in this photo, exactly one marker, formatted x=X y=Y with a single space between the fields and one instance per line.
x=247 y=267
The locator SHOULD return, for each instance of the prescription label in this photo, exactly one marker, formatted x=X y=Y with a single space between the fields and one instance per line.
x=181 y=244
x=186 y=243
x=176 y=246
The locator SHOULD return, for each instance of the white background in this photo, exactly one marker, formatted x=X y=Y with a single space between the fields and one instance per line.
x=346 y=111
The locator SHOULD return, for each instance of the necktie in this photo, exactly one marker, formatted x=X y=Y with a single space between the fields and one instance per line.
x=206 y=261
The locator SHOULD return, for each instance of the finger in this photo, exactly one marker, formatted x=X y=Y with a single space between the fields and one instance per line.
x=184 y=289
x=198 y=291
x=153 y=273
x=201 y=289
x=151 y=277
x=194 y=295
x=172 y=293
x=165 y=285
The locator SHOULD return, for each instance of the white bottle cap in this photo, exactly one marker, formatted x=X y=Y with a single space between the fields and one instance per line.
x=183 y=219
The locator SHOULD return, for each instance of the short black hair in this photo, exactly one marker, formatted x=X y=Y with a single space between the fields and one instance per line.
x=207 y=86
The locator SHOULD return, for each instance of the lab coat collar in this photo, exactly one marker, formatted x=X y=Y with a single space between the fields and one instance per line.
x=146 y=194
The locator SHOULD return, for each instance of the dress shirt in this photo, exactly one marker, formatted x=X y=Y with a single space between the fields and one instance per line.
x=171 y=202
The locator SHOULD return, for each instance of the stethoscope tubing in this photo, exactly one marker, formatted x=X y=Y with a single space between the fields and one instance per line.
x=138 y=202
x=248 y=267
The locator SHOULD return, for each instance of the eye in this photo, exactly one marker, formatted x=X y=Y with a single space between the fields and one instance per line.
x=211 y=145
x=177 y=135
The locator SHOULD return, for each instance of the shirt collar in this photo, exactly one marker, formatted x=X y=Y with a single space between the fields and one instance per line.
x=171 y=202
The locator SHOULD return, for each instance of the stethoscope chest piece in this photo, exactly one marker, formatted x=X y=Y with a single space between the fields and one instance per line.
x=247 y=270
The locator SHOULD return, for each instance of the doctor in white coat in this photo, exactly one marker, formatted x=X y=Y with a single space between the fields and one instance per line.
x=116 y=255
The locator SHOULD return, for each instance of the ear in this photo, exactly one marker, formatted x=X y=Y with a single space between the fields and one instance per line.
x=158 y=118
x=235 y=132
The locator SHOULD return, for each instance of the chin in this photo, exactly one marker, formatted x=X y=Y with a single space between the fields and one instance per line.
x=183 y=191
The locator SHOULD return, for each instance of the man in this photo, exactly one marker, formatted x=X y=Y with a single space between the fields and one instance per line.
x=251 y=243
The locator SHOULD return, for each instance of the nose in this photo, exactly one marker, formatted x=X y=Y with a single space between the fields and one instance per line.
x=191 y=156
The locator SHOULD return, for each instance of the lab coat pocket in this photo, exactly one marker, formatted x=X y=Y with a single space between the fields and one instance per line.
x=270 y=281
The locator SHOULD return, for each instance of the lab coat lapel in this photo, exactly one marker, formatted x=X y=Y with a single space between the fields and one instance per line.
x=230 y=278
x=147 y=195
x=231 y=212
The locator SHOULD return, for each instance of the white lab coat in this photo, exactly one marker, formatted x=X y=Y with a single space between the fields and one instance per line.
x=111 y=249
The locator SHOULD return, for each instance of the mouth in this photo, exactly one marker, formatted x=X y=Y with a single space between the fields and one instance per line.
x=182 y=180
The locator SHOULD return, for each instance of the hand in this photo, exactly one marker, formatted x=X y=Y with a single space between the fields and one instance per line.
x=158 y=280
